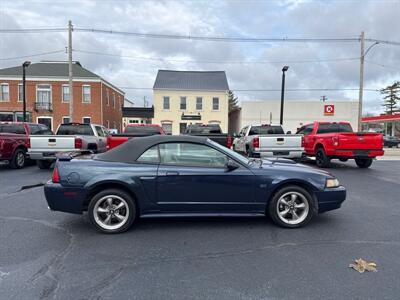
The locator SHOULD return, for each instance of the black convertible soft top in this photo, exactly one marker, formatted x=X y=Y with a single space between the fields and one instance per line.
x=130 y=151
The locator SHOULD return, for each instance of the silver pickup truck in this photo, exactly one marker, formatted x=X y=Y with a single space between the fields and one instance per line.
x=69 y=137
x=268 y=140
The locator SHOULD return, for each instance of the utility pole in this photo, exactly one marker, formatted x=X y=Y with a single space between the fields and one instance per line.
x=360 y=94
x=284 y=69
x=70 y=75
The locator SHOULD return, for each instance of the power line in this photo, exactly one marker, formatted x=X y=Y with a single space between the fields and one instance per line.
x=270 y=90
x=382 y=65
x=32 y=30
x=216 y=62
x=31 y=55
x=214 y=38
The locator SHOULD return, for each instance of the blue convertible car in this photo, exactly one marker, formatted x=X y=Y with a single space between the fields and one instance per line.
x=187 y=176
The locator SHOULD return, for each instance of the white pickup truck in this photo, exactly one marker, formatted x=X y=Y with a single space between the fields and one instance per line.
x=268 y=140
x=68 y=138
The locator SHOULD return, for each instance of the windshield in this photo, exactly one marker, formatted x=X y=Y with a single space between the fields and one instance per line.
x=75 y=129
x=267 y=129
x=231 y=153
x=142 y=130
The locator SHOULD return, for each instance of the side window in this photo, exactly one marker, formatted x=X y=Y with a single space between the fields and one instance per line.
x=301 y=130
x=188 y=154
x=308 y=129
x=34 y=129
x=254 y=130
x=150 y=156
x=99 y=131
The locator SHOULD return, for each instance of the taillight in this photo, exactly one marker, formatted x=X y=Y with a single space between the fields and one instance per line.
x=335 y=141
x=302 y=141
x=56 y=177
x=229 y=142
x=256 y=142
x=78 y=143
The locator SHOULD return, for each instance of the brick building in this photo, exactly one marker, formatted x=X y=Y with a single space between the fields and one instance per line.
x=47 y=95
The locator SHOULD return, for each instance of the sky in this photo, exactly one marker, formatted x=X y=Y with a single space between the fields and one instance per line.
x=131 y=62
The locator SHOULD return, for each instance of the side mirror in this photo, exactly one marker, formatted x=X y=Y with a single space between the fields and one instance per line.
x=231 y=165
x=289 y=132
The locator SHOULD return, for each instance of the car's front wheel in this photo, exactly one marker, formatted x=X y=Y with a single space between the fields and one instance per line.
x=321 y=159
x=112 y=211
x=18 y=160
x=291 y=207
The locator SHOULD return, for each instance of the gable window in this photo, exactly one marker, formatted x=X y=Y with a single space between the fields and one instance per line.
x=20 y=93
x=4 y=92
x=199 y=103
x=43 y=95
x=65 y=93
x=183 y=103
x=86 y=120
x=215 y=103
x=86 y=94
x=166 y=104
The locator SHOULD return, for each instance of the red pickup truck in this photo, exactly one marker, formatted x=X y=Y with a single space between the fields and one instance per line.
x=14 y=141
x=131 y=131
x=331 y=140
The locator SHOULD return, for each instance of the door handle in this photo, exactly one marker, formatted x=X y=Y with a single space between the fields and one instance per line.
x=171 y=173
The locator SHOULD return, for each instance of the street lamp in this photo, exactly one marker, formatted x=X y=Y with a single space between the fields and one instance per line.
x=24 y=66
x=284 y=69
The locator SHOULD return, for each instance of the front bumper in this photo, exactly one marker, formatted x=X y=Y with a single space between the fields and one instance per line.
x=330 y=198
x=65 y=199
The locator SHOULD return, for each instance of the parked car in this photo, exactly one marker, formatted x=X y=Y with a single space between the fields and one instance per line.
x=391 y=141
x=131 y=131
x=14 y=141
x=69 y=137
x=211 y=131
x=187 y=176
x=268 y=140
x=330 y=140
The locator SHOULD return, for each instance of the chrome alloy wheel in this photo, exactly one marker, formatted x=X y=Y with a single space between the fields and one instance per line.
x=292 y=208
x=20 y=159
x=111 y=212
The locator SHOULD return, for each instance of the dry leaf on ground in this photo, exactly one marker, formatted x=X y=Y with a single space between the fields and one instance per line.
x=361 y=266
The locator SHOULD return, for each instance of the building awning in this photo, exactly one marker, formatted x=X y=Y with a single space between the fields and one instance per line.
x=382 y=118
x=138 y=112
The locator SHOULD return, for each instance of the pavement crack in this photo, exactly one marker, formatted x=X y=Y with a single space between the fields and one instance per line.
x=56 y=263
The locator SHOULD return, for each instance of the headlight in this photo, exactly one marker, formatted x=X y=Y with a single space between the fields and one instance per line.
x=332 y=183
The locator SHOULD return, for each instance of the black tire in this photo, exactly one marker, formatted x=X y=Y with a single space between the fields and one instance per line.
x=322 y=160
x=44 y=164
x=363 y=163
x=96 y=200
x=19 y=159
x=273 y=206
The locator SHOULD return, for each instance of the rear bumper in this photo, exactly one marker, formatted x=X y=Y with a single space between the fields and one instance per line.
x=356 y=153
x=279 y=153
x=48 y=154
x=65 y=199
x=330 y=198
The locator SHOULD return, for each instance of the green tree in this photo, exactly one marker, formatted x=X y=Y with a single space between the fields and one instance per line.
x=391 y=97
x=233 y=101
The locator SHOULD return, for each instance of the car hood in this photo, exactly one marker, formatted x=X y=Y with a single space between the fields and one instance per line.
x=287 y=165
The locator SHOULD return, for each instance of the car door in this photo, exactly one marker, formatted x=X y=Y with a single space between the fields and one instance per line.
x=102 y=139
x=193 y=178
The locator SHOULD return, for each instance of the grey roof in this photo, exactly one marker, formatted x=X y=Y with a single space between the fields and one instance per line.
x=131 y=150
x=191 y=80
x=49 y=69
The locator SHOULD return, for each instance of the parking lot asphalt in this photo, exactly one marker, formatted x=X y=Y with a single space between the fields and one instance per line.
x=46 y=254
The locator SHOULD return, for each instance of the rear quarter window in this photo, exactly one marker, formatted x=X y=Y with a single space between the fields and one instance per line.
x=12 y=128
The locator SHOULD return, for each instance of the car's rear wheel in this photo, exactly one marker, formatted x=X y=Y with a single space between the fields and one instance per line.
x=322 y=160
x=363 y=162
x=112 y=211
x=18 y=160
x=291 y=207
x=44 y=164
